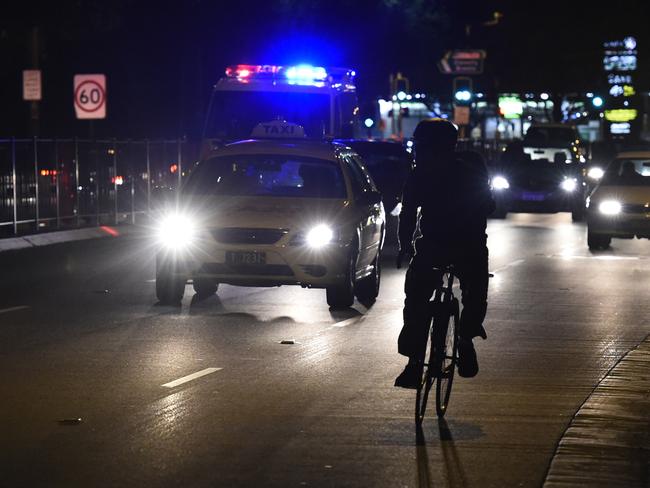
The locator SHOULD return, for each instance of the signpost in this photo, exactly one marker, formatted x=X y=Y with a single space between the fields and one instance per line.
x=32 y=91
x=462 y=62
x=90 y=96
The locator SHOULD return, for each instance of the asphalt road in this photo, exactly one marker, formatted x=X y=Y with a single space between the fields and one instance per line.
x=81 y=336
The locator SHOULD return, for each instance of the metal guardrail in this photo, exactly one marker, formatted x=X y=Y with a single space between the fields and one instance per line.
x=64 y=183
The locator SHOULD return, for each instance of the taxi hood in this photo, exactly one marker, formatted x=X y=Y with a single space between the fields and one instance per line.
x=272 y=212
x=638 y=195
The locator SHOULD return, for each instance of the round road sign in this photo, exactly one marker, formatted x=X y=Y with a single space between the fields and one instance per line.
x=89 y=96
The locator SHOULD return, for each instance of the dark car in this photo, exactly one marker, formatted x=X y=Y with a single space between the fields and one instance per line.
x=389 y=164
x=524 y=184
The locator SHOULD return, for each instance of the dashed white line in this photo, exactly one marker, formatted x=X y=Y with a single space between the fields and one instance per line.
x=14 y=309
x=190 y=377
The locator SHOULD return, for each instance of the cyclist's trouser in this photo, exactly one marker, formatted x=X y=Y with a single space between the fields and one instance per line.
x=471 y=268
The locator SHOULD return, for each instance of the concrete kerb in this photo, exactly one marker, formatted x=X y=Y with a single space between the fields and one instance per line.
x=608 y=441
x=57 y=237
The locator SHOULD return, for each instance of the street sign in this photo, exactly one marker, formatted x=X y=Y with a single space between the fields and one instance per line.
x=462 y=62
x=90 y=96
x=461 y=115
x=32 y=85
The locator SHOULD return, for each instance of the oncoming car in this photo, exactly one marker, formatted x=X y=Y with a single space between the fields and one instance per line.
x=620 y=205
x=275 y=211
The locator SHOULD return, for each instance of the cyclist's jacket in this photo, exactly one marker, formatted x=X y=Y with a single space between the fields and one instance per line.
x=454 y=200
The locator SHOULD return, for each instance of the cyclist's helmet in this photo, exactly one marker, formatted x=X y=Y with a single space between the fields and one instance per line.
x=437 y=134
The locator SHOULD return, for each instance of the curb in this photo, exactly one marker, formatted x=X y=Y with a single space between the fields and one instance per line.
x=58 y=237
x=608 y=441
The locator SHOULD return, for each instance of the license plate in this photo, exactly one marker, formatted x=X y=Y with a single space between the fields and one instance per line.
x=532 y=196
x=245 y=257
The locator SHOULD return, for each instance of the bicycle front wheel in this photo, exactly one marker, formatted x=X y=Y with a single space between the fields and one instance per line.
x=446 y=338
x=427 y=377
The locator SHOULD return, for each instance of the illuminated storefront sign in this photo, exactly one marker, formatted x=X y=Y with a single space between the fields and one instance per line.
x=511 y=106
x=621 y=114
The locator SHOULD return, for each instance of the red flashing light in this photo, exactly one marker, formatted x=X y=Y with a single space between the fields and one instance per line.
x=248 y=70
x=173 y=168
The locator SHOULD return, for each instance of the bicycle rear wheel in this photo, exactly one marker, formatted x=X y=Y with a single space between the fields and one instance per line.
x=446 y=339
x=427 y=377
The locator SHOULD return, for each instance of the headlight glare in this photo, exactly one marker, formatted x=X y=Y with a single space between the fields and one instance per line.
x=319 y=236
x=500 y=183
x=176 y=231
x=595 y=173
x=610 y=207
x=569 y=184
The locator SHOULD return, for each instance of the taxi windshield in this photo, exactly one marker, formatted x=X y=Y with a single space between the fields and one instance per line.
x=267 y=176
x=234 y=114
x=628 y=172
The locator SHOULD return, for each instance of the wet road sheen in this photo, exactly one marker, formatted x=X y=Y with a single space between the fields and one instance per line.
x=207 y=394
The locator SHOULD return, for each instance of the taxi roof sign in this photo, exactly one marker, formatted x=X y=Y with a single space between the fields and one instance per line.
x=278 y=129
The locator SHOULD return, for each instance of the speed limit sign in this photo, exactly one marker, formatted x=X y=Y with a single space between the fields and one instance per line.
x=90 y=96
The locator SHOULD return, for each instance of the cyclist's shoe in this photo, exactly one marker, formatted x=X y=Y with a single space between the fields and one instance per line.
x=467 y=362
x=410 y=377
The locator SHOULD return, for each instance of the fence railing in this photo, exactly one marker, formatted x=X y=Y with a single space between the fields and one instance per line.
x=65 y=183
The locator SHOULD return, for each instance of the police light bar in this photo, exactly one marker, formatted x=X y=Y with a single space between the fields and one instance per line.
x=306 y=73
x=278 y=129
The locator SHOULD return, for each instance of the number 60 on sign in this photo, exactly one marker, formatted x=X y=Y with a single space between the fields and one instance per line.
x=90 y=96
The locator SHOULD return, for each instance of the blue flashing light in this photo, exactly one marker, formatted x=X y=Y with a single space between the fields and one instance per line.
x=369 y=122
x=597 y=101
x=305 y=73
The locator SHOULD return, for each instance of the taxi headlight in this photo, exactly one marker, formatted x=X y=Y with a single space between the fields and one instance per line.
x=319 y=236
x=500 y=183
x=595 y=173
x=569 y=185
x=610 y=207
x=176 y=231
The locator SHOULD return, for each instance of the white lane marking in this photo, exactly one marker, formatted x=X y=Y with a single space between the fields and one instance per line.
x=509 y=265
x=190 y=377
x=14 y=309
x=600 y=258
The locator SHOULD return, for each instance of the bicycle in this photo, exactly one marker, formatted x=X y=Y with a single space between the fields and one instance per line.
x=441 y=348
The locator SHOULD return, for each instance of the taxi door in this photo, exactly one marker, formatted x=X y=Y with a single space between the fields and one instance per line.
x=368 y=204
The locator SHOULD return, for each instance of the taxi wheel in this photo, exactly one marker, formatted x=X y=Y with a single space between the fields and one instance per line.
x=169 y=289
x=342 y=296
x=598 y=241
x=367 y=289
x=205 y=287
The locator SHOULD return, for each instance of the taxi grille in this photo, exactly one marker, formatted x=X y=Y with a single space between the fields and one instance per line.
x=247 y=269
x=233 y=235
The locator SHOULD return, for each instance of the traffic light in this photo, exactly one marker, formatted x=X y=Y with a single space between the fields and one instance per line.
x=463 y=90
x=597 y=101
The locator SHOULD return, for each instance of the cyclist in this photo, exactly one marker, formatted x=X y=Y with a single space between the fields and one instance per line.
x=454 y=199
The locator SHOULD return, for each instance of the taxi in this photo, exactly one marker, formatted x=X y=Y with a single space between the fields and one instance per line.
x=278 y=209
x=620 y=205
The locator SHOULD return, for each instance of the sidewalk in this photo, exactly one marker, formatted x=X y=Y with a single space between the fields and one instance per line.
x=608 y=440
x=48 y=238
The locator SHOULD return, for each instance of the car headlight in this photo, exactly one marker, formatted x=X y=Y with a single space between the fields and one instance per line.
x=319 y=236
x=500 y=183
x=610 y=207
x=595 y=173
x=176 y=231
x=569 y=185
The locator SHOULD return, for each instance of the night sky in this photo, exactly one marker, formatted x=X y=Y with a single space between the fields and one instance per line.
x=162 y=58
